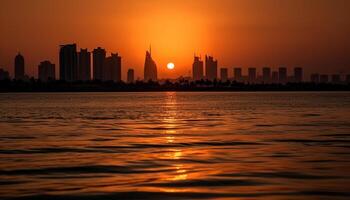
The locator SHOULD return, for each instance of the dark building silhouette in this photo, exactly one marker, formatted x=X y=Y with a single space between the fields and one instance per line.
x=298 y=74
x=211 y=68
x=46 y=71
x=224 y=74
x=150 y=68
x=348 y=78
x=19 y=67
x=324 y=78
x=275 y=78
x=117 y=68
x=237 y=74
x=99 y=56
x=130 y=76
x=336 y=78
x=197 y=69
x=84 y=65
x=4 y=75
x=266 y=78
x=315 y=78
x=252 y=75
x=282 y=75
x=112 y=68
x=68 y=62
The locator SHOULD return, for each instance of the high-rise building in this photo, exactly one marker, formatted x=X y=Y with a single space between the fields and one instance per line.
x=266 y=75
x=112 y=68
x=4 y=75
x=237 y=74
x=324 y=78
x=68 y=62
x=197 y=69
x=315 y=78
x=19 y=67
x=336 y=78
x=282 y=75
x=275 y=78
x=224 y=74
x=131 y=76
x=117 y=68
x=211 y=68
x=150 y=68
x=252 y=75
x=298 y=74
x=84 y=65
x=99 y=56
x=46 y=71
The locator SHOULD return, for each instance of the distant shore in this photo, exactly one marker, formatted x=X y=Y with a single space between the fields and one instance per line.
x=7 y=86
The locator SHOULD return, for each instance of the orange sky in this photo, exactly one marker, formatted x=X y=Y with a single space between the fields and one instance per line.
x=313 y=34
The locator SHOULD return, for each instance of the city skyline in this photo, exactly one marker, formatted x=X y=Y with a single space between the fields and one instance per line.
x=92 y=69
x=308 y=34
x=76 y=65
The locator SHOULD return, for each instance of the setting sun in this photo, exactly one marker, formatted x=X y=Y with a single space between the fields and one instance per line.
x=171 y=66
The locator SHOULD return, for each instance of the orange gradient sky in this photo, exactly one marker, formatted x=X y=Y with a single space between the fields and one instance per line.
x=314 y=34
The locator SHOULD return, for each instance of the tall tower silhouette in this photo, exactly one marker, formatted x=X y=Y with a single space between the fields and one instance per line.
x=150 y=69
x=99 y=56
x=211 y=68
x=68 y=62
x=84 y=65
x=19 y=67
x=130 y=76
x=197 y=69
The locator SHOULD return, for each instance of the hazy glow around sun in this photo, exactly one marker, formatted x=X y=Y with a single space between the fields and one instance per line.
x=171 y=66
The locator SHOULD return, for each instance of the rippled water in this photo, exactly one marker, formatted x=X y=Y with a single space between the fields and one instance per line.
x=175 y=145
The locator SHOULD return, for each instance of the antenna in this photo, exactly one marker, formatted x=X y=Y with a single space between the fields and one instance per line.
x=150 y=49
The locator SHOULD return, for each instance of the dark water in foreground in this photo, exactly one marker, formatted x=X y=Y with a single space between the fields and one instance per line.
x=175 y=145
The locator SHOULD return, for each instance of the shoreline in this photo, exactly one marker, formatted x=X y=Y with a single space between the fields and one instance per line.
x=139 y=86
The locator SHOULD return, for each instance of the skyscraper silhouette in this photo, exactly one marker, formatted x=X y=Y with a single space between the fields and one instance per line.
x=211 y=68
x=131 y=76
x=266 y=75
x=252 y=75
x=237 y=74
x=116 y=67
x=84 y=65
x=46 y=71
x=68 y=62
x=150 y=68
x=112 y=68
x=224 y=74
x=282 y=75
x=197 y=69
x=99 y=56
x=19 y=67
x=298 y=74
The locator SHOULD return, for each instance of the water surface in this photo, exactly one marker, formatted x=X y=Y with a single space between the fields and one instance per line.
x=175 y=145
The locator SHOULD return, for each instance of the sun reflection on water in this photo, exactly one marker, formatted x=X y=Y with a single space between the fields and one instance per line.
x=171 y=124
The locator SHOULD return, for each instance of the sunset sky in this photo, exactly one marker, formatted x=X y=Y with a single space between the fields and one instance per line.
x=314 y=34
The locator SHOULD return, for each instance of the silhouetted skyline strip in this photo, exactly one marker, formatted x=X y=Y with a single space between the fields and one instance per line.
x=76 y=66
